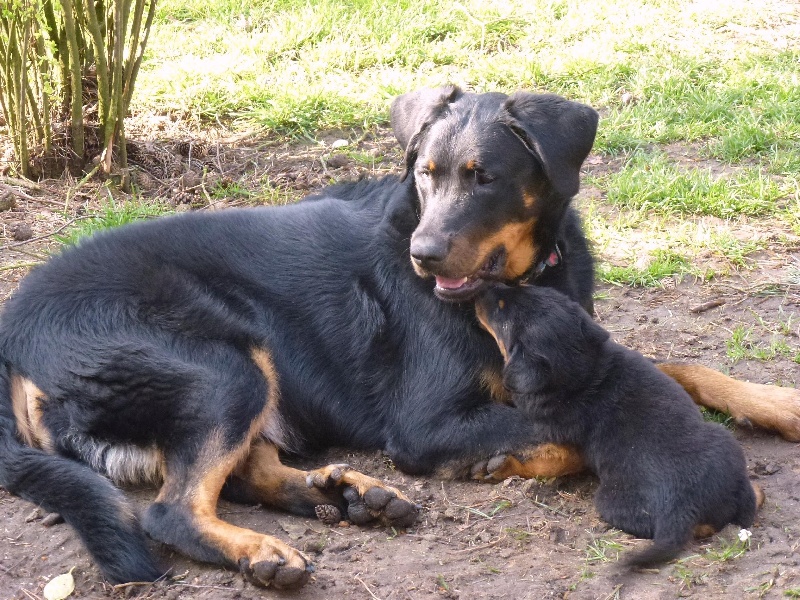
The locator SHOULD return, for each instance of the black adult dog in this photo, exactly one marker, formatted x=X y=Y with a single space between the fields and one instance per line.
x=664 y=472
x=192 y=349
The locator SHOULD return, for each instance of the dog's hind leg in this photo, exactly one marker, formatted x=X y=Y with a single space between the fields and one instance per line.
x=184 y=516
x=768 y=406
x=331 y=493
x=208 y=443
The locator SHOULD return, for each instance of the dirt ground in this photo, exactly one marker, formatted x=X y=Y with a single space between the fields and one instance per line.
x=518 y=539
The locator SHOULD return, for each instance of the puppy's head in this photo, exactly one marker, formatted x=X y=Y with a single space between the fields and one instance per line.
x=493 y=176
x=547 y=341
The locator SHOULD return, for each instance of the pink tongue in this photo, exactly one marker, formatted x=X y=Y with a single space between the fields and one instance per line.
x=450 y=284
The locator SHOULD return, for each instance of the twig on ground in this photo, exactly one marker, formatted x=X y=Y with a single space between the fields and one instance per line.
x=29 y=185
x=74 y=190
x=12 y=190
x=130 y=584
x=47 y=235
x=701 y=308
x=28 y=253
x=482 y=547
x=366 y=587
x=19 y=266
x=550 y=508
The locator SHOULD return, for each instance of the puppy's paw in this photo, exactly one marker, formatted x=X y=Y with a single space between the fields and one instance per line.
x=547 y=460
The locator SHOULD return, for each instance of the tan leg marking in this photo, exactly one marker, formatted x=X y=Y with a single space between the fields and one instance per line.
x=547 y=460
x=263 y=554
x=491 y=380
x=263 y=559
x=768 y=406
x=275 y=483
x=760 y=496
x=342 y=474
x=26 y=402
x=705 y=530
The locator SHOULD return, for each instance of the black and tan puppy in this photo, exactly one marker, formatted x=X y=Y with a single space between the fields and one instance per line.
x=663 y=470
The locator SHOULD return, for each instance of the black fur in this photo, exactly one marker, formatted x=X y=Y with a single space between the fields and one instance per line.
x=662 y=469
x=96 y=509
x=140 y=335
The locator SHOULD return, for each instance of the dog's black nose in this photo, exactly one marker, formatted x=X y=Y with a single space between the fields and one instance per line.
x=429 y=251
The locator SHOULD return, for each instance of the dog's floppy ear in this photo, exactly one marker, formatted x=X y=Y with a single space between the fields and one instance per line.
x=558 y=132
x=594 y=334
x=411 y=114
x=526 y=373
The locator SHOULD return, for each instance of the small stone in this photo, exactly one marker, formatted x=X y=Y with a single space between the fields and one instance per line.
x=21 y=232
x=7 y=201
x=766 y=468
x=337 y=161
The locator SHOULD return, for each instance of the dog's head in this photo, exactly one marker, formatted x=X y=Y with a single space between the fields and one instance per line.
x=494 y=175
x=547 y=341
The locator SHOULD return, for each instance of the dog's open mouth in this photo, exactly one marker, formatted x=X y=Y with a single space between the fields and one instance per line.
x=466 y=288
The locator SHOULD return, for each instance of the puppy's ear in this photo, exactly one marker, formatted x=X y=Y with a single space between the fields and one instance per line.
x=411 y=114
x=593 y=333
x=558 y=132
x=526 y=373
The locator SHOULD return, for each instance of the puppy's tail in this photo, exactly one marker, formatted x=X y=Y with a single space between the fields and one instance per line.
x=86 y=500
x=670 y=537
x=660 y=551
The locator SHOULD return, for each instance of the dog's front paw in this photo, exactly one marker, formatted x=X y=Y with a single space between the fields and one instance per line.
x=277 y=565
x=367 y=498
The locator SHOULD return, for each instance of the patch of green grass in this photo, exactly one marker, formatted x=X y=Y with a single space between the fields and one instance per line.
x=728 y=550
x=110 y=215
x=687 y=576
x=740 y=346
x=734 y=250
x=650 y=181
x=663 y=264
x=603 y=549
x=491 y=512
x=295 y=68
x=715 y=416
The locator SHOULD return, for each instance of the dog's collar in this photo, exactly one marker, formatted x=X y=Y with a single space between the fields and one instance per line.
x=553 y=259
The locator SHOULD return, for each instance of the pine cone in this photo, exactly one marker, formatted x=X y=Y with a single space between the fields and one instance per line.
x=328 y=513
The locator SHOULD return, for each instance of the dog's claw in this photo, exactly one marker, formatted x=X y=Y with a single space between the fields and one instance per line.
x=478 y=470
x=327 y=477
x=495 y=463
x=484 y=470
